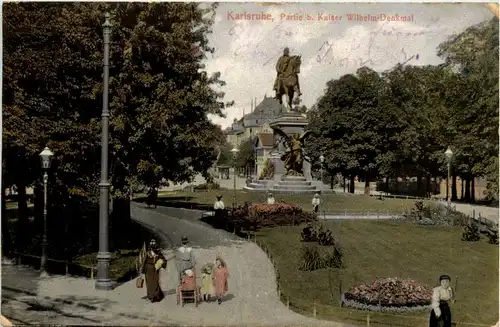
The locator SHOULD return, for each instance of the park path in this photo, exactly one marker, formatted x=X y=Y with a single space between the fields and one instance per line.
x=252 y=297
x=491 y=213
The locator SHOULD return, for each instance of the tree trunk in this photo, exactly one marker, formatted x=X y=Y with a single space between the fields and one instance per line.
x=22 y=205
x=344 y=182
x=387 y=185
x=419 y=185
x=120 y=222
x=7 y=246
x=462 y=187
x=467 y=189
x=428 y=190
x=367 y=185
x=396 y=185
x=472 y=190
x=351 y=184
x=454 y=188
x=332 y=180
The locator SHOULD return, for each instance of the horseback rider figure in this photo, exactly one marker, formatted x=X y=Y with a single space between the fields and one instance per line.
x=281 y=67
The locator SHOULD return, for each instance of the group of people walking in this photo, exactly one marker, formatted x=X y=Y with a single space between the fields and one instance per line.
x=214 y=279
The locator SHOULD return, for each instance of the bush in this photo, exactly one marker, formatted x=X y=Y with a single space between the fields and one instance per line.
x=316 y=232
x=313 y=257
x=493 y=236
x=207 y=186
x=310 y=258
x=435 y=215
x=391 y=292
x=471 y=233
x=256 y=216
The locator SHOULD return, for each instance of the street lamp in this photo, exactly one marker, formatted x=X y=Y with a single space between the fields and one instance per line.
x=234 y=151
x=322 y=160
x=449 y=155
x=103 y=256
x=46 y=156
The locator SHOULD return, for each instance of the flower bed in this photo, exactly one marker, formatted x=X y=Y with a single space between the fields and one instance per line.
x=389 y=294
x=256 y=216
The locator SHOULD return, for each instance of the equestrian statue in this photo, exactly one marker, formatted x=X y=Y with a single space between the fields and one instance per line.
x=294 y=155
x=287 y=79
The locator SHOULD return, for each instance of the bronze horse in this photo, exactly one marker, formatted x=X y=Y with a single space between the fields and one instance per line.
x=288 y=82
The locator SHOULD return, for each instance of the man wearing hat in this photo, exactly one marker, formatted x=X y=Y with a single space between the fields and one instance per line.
x=184 y=257
x=315 y=202
x=270 y=198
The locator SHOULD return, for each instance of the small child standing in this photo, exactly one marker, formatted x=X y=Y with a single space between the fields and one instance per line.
x=220 y=276
x=207 y=288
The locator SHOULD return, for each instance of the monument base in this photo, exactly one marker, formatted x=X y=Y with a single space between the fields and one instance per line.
x=287 y=185
x=290 y=123
x=294 y=184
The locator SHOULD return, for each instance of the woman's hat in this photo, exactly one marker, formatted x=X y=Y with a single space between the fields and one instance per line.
x=444 y=277
x=184 y=240
x=189 y=272
x=208 y=267
x=223 y=263
x=218 y=197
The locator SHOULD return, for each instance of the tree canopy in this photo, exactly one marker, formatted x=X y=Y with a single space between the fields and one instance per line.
x=160 y=95
x=401 y=121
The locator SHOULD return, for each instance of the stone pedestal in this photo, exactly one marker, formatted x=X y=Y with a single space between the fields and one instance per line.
x=290 y=123
x=293 y=184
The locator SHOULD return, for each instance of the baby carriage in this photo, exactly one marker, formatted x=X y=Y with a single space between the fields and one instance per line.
x=188 y=290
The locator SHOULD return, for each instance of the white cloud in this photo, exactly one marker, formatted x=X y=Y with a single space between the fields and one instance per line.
x=247 y=50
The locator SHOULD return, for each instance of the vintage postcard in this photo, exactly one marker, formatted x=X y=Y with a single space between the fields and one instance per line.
x=250 y=164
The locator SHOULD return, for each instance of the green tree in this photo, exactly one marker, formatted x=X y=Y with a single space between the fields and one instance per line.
x=351 y=125
x=246 y=156
x=472 y=93
x=417 y=92
x=53 y=83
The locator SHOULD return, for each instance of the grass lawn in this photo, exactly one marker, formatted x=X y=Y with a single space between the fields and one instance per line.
x=121 y=267
x=330 y=203
x=375 y=249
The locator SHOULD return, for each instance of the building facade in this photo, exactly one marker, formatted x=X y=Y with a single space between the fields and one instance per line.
x=256 y=124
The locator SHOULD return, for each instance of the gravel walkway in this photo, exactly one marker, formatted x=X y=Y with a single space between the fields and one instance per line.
x=252 y=297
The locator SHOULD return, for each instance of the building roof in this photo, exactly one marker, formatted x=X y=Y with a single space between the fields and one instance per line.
x=266 y=140
x=266 y=110
x=235 y=128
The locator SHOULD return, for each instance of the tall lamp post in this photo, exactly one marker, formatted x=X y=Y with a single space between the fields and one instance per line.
x=322 y=160
x=234 y=151
x=103 y=257
x=449 y=155
x=46 y=157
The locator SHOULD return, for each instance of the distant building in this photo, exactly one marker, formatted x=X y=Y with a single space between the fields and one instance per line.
x=256 y=124
x=264 y=144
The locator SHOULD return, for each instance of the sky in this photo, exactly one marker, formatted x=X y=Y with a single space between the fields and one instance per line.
x=331 y=45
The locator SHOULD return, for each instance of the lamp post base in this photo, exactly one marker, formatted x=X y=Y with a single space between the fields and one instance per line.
x=103 y=282
x=44 y=274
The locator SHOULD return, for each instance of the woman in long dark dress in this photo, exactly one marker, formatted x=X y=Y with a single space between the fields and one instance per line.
x=441 y=297
x=153 y=262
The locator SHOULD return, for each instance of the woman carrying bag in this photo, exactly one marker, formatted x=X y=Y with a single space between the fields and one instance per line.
x=153 y=262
